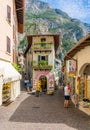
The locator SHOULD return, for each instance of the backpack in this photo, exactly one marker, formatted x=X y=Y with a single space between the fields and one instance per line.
x=69 y=89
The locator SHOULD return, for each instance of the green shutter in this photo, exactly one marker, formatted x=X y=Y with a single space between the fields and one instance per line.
x=47 y=60
x=39 y=58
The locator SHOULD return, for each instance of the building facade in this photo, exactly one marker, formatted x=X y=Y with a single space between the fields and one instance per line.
x=11 y=23
x=77 y=69
x=41 y=60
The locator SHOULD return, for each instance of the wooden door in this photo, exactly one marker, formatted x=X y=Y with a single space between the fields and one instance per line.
x=88 y=88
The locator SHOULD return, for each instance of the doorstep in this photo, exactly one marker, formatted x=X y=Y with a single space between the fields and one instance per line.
x=82 y=108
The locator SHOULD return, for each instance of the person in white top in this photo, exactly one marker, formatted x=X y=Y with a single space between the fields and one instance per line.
x=66 y=95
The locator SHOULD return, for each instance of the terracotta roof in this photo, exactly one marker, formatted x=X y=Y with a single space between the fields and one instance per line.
x=56 y=41
x=85 y=41
x=20 y=14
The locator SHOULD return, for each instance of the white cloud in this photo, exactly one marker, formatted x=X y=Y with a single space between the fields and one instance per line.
x=75 y=8
x=79 y=9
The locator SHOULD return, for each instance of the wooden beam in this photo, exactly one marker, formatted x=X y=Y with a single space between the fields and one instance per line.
x=20 y=9
x=71 y=58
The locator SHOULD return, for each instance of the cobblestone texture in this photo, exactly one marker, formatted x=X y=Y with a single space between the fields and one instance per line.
x=46 y=112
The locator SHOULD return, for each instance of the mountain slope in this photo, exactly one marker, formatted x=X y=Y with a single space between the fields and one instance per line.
x=41 y=18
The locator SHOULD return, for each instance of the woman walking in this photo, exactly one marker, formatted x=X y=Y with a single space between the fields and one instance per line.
x=66 y=96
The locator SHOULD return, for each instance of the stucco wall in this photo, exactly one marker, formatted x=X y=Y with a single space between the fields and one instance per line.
x=51 y=55
x=82 y=57
x=6 y=29
x=49 y=39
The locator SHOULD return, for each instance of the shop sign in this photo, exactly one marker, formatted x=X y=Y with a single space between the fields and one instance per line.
x=72 y=66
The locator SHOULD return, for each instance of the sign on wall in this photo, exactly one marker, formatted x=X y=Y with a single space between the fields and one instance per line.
x=72 y=68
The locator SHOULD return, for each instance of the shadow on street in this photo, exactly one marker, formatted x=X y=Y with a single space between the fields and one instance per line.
x=49 y=109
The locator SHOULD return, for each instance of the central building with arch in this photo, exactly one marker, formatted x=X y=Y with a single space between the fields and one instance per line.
x=40 y=59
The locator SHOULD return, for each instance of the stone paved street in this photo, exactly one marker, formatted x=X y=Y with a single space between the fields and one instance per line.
x=42 y=113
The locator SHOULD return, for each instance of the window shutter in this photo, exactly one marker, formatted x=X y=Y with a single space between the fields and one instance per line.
x=47 y=60
x=9 y=13
x=8 y=45
x=39 y=58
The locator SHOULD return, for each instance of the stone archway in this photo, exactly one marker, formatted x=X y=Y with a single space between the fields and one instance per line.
x=43 y=80
x=85 y=72
x=85 y=69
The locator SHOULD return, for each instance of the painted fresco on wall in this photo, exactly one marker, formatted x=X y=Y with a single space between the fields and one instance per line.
x=39 y=73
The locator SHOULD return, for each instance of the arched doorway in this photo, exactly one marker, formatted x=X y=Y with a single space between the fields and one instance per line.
x=43 y=80
x=87 y=75
x=85 y=72
x=84 y=69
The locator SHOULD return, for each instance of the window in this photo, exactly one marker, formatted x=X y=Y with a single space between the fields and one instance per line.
x=8 y=45
x=43 y=44
x=43 y=39
x=8 y=13
x=43 y=58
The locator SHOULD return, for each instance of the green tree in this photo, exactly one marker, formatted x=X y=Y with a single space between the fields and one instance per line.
x=17 y=67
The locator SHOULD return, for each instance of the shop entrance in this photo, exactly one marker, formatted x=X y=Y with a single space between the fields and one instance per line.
x=85 y=72
x=43 y=80
x=87 y=75
x=88 y=88
x=6 y=93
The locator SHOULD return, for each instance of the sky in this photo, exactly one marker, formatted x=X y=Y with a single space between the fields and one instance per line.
x=79 y=9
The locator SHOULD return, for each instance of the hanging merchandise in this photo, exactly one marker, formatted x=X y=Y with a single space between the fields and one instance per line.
x=78 y=85
x=6 y=93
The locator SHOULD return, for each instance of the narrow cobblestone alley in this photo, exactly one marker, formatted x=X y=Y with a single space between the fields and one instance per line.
x=42 y=113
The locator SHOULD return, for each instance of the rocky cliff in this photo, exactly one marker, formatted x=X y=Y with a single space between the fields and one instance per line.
x=41 y=18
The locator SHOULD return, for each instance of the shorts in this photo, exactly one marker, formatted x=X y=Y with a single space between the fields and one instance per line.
x=67 y=97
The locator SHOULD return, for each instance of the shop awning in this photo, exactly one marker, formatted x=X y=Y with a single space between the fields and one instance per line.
x=9 y=73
